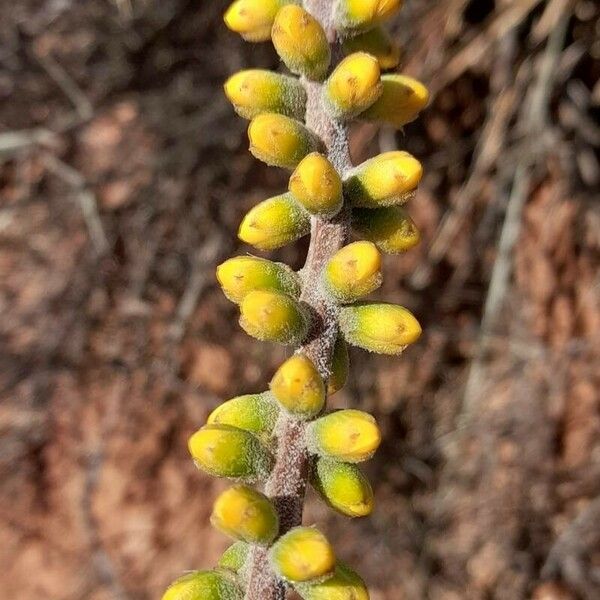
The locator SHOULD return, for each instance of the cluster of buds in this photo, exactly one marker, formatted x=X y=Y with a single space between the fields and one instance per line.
x=240 y=440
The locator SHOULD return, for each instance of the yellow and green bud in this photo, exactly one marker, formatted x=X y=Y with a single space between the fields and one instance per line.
x=344 y=584
x=298 y=387
x=303 y=554
x=256 y=413
x=379 y=327
x=343 y=487
x=226 y=451
x=377 y=43
x=353 y=86
x=244 y=274
x=280 y=141
x=391 y=229
x=257 y=91
x=253 y=19
x=349 y=435
x=401 y=101
x=361 y=15
x=273 y=317
x=274 y=223
x=353 y=272
x=205 y=585
x=385 y=180
x=340 y=365
x=316 y=185
x=246 y=515
x=301 y=42
x=234 y=558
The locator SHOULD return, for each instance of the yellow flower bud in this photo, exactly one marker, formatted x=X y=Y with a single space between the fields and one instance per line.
x=256 y=413
x=256 y=91
x=361 y=15
x=384 y=180
x=274 y=223
x=379 y=327
x=344 y=584
x=353 y=272
x=204 y=585
x=401 y=101
x=302 y=554
x=317 y=186
x=226 y=451
x=354 y=85
x=246 y=515
x=349 y=435
x=234 y=558
x=298 y=387
x=280 y=141
x=301 y=42
x=252 y=19
x=391 y=229
x=274 y=317
x=340 y=364
x=377 y=43
x=243 y=274
x=343 y=487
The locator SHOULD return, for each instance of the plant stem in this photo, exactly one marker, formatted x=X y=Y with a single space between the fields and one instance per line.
x=286 y=484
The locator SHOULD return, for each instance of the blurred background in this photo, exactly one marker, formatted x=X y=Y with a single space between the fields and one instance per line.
x=124 y=174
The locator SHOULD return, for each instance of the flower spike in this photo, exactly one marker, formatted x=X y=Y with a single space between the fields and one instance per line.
x=256 y=413
x=204 y=585
x=391 y=229
x=377 y=43
x=344 y=584
x=253 y=19
x=361 y=15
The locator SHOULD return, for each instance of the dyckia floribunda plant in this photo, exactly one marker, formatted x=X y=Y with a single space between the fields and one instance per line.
x=284 y=438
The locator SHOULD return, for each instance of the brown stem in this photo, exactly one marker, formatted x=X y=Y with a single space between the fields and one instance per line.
x=286 y=485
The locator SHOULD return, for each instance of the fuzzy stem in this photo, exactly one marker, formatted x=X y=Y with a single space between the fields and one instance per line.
x=286 y=485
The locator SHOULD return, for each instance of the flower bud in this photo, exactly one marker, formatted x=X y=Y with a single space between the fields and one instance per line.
x=340 y=365
x=280 y=141
x=256 y=91
x=344 y=584
x=377 y=43
x=274 y=223
x=316 y=185
x=252 y=19
x=204 y=585
x=244 y=274
x=256 y=413
x=302 y=554
x=273 y=317
x=245 y=514
x=361 y=15
x=234 y=558
x=226 y=451
x=353 y=272
x=401 y=101
x=391 y=229
x=379 y=327
x=301 y=42
x=353 y=86
x=298 y=387
x=343 y=487
x=384 y=180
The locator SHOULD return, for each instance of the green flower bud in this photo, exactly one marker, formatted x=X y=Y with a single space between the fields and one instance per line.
x=226 y=451
x=253 y=19
x=274 y=317
x=353 y=86
x=379 y=327
x=345 y=584
x=244 y=274
x=257 y=91
x=349 y=435
x=343 y=487
x=302 y=554
x=377 y=43
x=256 y=413
x=384 y=180
x=301 y=42
x=391 y=229
x=298 y=387
x=401 y=101
x=204 y=585
x=340 y=365
x=361 y=15
x=353 y=272
x=246 y=515
x=274 y=223
x=234 y=558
